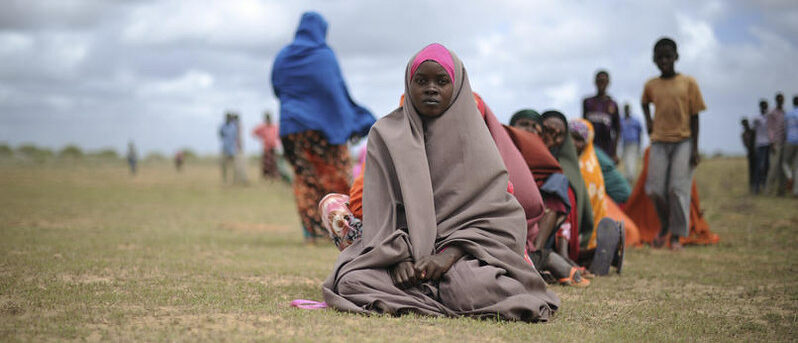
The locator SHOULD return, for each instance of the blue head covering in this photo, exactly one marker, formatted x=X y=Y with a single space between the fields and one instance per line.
x=307 y=80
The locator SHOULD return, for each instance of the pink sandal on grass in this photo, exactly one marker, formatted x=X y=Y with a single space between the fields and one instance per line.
x=308 y=304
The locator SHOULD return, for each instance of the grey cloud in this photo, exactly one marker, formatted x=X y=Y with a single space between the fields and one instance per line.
x=60 y=14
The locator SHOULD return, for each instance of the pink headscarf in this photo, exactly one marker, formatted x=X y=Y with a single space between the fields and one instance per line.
x=435 y=52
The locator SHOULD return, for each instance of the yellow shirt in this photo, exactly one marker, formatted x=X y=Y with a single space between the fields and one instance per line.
x=675 y=100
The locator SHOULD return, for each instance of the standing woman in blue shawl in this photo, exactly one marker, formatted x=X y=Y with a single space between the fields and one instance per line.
x=317 y=117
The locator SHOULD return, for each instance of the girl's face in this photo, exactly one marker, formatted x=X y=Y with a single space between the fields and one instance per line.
x=528 y=125
x=553 y=132
x=431 y=89
x=579 y=142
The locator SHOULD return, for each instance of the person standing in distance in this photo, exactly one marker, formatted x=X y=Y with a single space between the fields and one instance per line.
x=601 y=111
x=674 y=142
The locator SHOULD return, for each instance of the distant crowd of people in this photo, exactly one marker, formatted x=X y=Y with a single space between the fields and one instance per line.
x=132 y=158
x=233 y=159
x=453 y=213
x=771 y=143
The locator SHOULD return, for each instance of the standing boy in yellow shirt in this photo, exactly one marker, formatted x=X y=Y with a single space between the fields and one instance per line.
x=674 y=142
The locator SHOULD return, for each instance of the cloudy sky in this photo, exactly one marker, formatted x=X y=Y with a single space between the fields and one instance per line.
x=98 y=73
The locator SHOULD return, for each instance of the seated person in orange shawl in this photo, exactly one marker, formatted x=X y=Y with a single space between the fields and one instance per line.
x=640 y=209
x=603 y=205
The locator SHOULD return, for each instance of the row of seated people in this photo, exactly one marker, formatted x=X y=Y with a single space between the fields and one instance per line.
x=577 y=183
x=464 y=216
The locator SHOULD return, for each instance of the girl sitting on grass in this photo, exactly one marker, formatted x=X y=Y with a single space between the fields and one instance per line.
x=441 y=233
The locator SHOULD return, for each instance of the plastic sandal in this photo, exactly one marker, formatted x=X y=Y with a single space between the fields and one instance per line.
x=308 y=304
x=586 y=274
x=607 y=239
x=571 y=279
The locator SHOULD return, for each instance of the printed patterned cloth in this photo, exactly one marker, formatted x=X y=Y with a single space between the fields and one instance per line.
x=268 y=164
x=319 y=168
x=591 y=173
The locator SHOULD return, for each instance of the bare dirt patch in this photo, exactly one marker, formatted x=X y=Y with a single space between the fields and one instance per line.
x=84 y=278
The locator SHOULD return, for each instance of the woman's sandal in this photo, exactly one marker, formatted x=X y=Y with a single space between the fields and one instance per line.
x=308 y=304
x=585 y=273
x=574 y=279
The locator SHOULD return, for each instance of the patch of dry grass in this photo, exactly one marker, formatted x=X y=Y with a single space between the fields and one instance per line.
x=90 y=254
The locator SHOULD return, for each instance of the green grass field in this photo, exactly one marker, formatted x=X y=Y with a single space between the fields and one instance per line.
x=88 y=253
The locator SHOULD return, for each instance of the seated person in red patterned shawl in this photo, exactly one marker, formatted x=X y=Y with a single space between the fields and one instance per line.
x=558 y=193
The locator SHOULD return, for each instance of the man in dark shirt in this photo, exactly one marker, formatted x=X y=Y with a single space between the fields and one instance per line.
x=601 y=111
x=750 y=152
